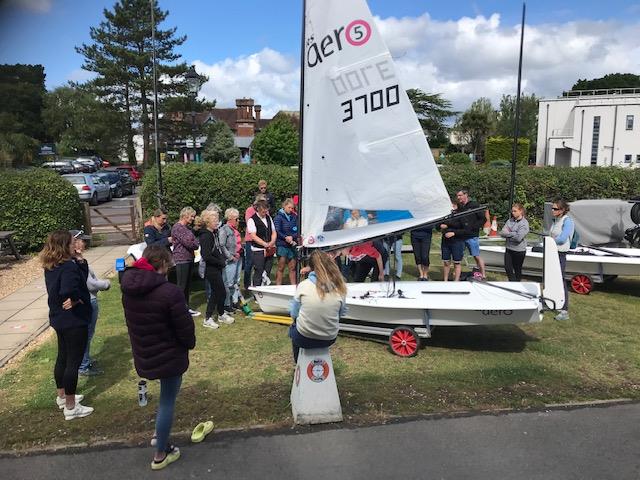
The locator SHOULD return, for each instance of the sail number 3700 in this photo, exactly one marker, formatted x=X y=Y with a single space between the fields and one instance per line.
x=371 y=102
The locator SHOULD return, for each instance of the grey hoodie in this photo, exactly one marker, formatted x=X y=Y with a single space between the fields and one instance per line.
x=515 y=232
x=94 y=284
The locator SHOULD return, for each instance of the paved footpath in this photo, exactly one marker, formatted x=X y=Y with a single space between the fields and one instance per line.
x=24 y=314
x=588 y=443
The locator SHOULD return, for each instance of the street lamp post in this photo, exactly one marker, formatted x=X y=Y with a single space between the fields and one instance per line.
x=194 y=82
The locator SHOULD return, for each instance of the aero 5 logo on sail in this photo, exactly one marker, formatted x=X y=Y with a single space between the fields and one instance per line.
x=357 y=33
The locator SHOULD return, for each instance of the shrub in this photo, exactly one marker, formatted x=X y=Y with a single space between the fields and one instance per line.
x=501 y=148
x=457 y=159
x=34 y=203
x=228 y=185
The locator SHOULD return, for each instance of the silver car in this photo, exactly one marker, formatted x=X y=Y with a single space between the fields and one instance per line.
x=90 y=187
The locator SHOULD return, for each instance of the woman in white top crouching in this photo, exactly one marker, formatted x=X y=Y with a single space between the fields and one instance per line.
x=317 y=306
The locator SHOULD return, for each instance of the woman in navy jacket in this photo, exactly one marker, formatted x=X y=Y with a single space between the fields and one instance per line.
x=69 y=315
x=286 y=223
x=161 y=331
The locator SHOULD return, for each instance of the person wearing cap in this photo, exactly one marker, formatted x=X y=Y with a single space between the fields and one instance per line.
x=88 y=367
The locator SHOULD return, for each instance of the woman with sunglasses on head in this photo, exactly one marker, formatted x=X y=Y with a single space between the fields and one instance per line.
x=561 y=231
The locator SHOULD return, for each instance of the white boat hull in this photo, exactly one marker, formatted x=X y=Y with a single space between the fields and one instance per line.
x=584 y=261
x=425 y=304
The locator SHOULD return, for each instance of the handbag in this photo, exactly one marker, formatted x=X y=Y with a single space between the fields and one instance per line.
x=269 y=252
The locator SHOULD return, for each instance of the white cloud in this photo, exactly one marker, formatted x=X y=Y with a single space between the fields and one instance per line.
x=80 y=75
x=462 y=59
x=37 y=6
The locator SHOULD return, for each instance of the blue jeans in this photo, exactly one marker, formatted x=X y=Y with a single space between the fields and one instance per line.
x=397 y=251
x=299 y=341
x=86 y=360
x=231 y=278
x=169 y=388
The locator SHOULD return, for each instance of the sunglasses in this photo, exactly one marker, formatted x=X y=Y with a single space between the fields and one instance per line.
x=79 y=234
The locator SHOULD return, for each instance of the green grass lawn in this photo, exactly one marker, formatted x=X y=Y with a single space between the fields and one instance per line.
x=241 y=375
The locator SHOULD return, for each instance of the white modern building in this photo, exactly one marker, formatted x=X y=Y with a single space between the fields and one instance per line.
x=590 y=128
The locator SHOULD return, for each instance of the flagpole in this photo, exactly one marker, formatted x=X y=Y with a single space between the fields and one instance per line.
x=301 y=136
x=514 y=155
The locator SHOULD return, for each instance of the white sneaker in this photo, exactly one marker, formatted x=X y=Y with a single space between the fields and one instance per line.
x=563 y=315
x=226 y=319
x=194 y=313
x=78 y=412
x=210 y=323
x=61 y=401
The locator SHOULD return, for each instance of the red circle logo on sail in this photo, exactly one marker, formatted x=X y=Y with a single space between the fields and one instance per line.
x=358 y=33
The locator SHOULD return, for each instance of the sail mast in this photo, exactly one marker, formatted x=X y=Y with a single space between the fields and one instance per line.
x=301 y=130
x=516 y=132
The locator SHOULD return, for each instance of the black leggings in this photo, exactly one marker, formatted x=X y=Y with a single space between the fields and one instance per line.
x=513 y=264
x=421 y=248
x=213 y=275
x=71 y=345
x=260 y=264
x=184 y=272
x=363 y=267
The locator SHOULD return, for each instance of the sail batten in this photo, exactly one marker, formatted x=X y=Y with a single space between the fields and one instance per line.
x=364 y=152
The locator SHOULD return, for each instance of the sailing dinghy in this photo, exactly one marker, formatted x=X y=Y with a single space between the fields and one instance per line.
x=363 y=148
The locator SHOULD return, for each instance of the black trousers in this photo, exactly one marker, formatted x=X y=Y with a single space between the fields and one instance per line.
x=72 y=343
x=213 y=275
x=421 y=249
x=184 y=273
x=260 y=264
x=563 y=266
x=363 y=267
x=513 y=264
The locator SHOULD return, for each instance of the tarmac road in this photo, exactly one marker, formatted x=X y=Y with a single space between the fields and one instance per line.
x=587 y=443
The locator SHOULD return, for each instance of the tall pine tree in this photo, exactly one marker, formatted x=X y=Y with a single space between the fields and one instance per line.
x=121 y=55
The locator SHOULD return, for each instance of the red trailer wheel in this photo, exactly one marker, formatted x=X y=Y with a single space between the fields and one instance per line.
x=404 y=341
x=581 y=284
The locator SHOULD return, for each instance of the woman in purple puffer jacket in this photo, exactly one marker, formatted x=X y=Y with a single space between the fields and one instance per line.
x=161 y=333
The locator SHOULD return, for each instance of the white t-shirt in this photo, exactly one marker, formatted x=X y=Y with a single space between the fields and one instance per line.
x=251 y=228
x=353 y=223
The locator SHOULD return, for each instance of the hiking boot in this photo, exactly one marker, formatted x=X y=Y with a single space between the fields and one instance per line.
x=78 y=412
x=210 y=323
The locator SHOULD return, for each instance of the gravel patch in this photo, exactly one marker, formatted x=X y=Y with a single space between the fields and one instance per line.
x=15 y=274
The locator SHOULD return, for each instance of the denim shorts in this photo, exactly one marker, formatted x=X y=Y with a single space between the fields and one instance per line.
x=453 y=249
x=473 y=244
x=287 y=252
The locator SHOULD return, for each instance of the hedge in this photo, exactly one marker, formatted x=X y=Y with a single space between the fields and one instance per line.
x=36 y=202
x=228 y=185
x=457 y=159
x=235 y=185
x=501 y=148
x=535 y=185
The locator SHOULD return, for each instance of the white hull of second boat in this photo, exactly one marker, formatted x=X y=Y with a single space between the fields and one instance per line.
x=585 y=261
x=424 y=304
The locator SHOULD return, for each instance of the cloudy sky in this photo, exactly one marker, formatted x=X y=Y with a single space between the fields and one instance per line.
x=462 y=49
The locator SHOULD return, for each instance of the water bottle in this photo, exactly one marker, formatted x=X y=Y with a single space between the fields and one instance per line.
x=142 y=393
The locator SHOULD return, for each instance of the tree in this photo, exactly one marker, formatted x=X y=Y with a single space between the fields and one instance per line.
x=432 y=111
x=21 y=98
x=220 y=147
x=121 y=55
x=277 y=143
x=612 y=80
x=172 y=128
x=528 y=118
x=476 y=124
x=81 y=123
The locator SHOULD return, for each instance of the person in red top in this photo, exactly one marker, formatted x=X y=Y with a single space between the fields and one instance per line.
x=365 y=257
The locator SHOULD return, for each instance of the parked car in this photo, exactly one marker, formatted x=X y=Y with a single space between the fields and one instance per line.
x=114 y=181
x=128 y=183
x=89 y=164
x=135 y=173
x=62 y=167
x=90 y=187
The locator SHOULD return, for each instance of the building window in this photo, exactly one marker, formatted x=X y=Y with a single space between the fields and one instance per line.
x=637 y=158
x=629 y=122
x=627 y=159
x=595 y=140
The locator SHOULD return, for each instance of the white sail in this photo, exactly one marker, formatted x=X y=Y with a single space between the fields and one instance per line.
x=363 y=147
